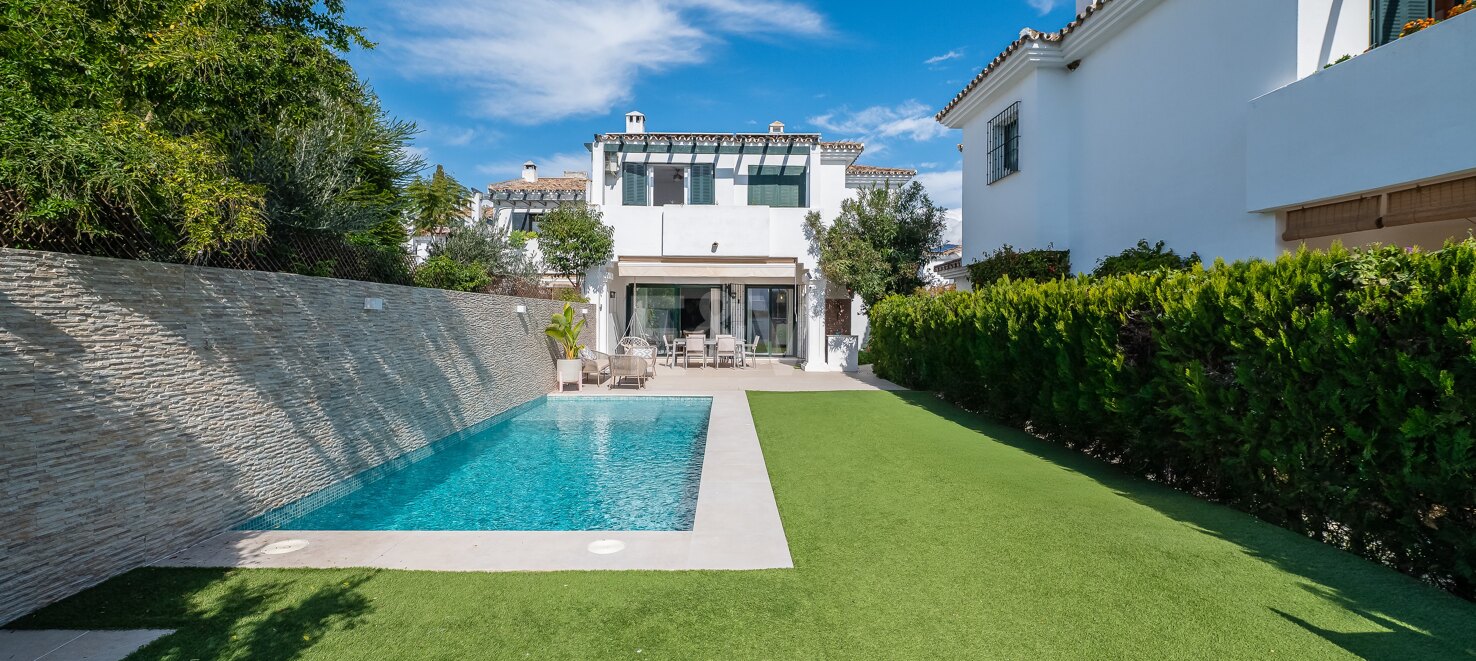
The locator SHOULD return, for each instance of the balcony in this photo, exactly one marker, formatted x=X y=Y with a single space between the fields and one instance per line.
x=1393 y=116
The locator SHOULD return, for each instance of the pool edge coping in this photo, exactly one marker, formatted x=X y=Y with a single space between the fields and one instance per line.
x=737 y=525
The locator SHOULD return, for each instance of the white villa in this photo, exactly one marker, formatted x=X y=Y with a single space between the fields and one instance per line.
x=709 y=233
x=1219 y=127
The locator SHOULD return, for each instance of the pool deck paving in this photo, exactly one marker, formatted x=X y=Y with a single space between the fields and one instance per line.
x=737 y=525
x=69 y=645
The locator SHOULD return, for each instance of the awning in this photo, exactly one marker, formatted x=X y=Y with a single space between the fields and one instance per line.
x=728 y=270
x=1329 y=219
x=1451 y=200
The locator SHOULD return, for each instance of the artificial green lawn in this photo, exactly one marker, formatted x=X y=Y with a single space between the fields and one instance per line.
x=917 y=531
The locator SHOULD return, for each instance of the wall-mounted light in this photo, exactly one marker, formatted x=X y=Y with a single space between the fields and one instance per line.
x=521 y=309
x=714 y=246
x=373 y=304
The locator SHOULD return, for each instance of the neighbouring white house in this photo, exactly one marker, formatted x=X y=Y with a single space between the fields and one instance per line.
x=1218 y=127
x=945 y=255
x=515 y=205
x=710 y=235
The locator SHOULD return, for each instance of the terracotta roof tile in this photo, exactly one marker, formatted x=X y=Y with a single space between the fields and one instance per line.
x=843 y=146
x=872 y=170
x=561 y=184
x=1025 y=37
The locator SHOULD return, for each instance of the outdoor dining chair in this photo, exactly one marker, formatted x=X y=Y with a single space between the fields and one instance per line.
x=696 y=343
x=727 y=347
x=750 y=350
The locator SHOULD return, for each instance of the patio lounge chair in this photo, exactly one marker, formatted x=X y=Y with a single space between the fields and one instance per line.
x=627 y=366
x=638 y=346
x=727 y=347
x=593 y=363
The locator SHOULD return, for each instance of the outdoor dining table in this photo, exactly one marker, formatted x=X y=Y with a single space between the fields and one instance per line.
x=710 y=345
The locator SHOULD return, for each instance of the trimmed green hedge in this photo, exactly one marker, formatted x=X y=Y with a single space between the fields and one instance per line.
x=1331 y=393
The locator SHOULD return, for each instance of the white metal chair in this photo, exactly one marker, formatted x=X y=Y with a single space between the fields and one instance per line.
x=671 y=350
x=727 y=347
x=751 y=349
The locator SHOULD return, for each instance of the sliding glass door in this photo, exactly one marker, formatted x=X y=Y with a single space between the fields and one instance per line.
x=666 y=312
x=770 y=319
x=754 y=312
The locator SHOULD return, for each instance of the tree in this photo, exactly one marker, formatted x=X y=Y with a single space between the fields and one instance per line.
x=879 y=241
x=170 y=119
x=574 y=240
x=440 y=201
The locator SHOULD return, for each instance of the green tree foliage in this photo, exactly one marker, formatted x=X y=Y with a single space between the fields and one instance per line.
x=1144 y=258
x=574 y=239
x=1017 y=265
x=507 y=269
x=440 y=201
x=879 y=241
x=1332 y=393
x=200 y=122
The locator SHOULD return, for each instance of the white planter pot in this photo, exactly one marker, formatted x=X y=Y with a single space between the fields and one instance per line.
x=843 y=352
x=568 y=370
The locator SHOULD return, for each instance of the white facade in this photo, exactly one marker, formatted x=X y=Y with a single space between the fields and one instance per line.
x=1162 y=120
x=709 y=234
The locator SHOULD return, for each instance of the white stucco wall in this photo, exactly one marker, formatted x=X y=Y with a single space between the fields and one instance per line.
x=1328 y=30
x=1147 y=137
x=1399 y=114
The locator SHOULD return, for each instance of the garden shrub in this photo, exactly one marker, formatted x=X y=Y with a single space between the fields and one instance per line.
x=1144 y=258
x=442 y=272
x=1017 y=265
x=1333 y=393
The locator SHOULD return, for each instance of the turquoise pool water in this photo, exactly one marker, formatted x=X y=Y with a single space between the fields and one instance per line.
x=561 y=463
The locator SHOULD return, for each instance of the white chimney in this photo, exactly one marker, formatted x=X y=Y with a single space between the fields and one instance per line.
x=635 y=122
x=776 y=127
x=530 y=171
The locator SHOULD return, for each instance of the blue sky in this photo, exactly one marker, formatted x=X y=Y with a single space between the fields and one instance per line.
x=493 y=83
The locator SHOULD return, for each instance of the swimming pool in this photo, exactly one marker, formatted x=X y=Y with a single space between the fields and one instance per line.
x=559 y=463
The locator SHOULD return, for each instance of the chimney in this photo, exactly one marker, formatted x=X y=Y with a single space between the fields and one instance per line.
x=530 y=171
x=776 y=127
x=635 y=122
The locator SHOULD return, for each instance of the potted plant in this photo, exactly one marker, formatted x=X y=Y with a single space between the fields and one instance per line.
x=565 y=331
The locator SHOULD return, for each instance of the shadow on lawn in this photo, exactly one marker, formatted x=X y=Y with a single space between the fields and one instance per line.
x=1418 y=621
x=218 y=614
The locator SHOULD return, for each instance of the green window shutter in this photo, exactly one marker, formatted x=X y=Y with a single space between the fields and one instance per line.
x=702 y=185
x=1389 y=17
x=756 y=187
x=633 y=184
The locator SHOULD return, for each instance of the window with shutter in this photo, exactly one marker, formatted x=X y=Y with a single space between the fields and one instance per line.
x=702 y=185
x=775 y=186
x=633 y=183
x=1389 y=17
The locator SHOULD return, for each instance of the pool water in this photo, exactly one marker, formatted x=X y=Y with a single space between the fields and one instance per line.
x=561 y=463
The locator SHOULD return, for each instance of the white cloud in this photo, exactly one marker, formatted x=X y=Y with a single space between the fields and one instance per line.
x=1044 y=6
x=946 y=189
x=553 y=165
x=910 y=120
x=950 y=55
x=534 y=62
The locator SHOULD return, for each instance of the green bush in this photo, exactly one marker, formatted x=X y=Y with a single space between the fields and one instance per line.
x=1144 y=258
x=1039 y=265
x=1333 y=393
x=442 y=272
x=568 y=295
